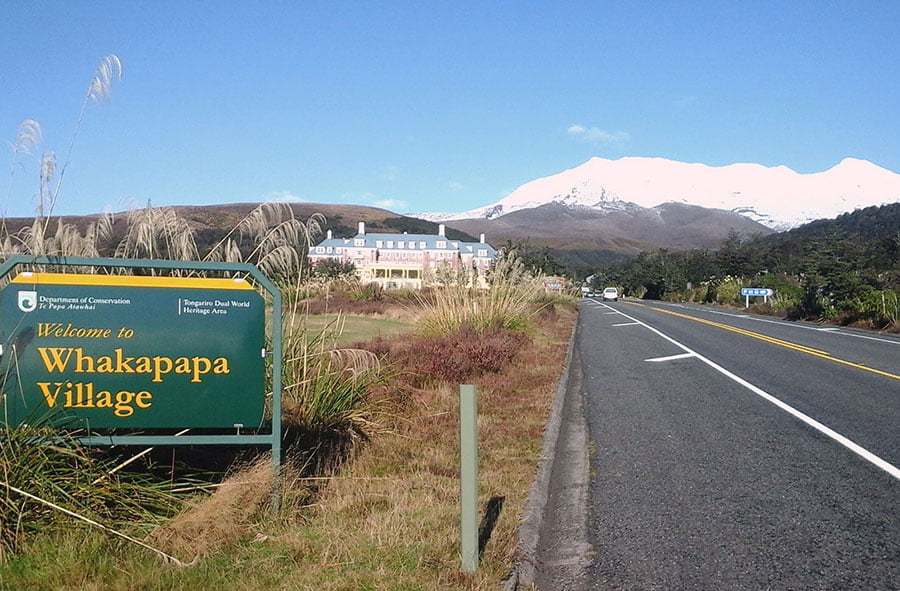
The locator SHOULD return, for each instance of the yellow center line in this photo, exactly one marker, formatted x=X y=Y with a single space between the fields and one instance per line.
x=779 y=342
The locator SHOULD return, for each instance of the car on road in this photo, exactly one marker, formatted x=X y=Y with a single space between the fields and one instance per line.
x=611 y=294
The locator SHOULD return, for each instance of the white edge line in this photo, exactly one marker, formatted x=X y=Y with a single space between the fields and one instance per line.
x=671 y=357
x=855 y=448
x=628 y=324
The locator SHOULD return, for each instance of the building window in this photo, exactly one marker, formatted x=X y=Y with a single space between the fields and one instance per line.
x=320 y=250
x=422 y=245
x=442 y=244
x=390 y=244
x=482 y=252
x=338 y=250
x=401 y=244
x=379 y=244
x=359 y=242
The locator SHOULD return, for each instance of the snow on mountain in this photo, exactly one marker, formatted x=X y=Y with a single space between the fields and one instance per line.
x=777 y=197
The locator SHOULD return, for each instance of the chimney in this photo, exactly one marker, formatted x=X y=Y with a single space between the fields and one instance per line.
x=328 y=235
x=482 y=238
x=441 y=230
x=362 y=228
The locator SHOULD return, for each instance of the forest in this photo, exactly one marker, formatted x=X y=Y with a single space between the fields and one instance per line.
x=845 y=270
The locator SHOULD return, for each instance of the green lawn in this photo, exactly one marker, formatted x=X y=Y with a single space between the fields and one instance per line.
x=355 y=328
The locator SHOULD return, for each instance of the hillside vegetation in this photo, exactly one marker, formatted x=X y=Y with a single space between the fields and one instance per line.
x=845 y=270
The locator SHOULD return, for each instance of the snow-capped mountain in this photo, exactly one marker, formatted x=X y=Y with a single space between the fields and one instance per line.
x=777 y=197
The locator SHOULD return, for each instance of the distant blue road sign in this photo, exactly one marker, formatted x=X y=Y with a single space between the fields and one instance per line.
x=756 y=291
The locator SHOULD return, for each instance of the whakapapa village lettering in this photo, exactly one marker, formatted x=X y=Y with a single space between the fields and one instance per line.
x=81 y=395
x=58 y=359
x=87 y=394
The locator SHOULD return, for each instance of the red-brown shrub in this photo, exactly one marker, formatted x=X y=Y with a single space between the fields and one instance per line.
x=424 y=360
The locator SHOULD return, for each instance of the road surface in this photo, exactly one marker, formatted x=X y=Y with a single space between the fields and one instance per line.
x=724 y=451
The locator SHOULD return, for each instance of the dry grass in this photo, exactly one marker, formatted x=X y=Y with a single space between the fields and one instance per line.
x=222 y=518
x=390 y=520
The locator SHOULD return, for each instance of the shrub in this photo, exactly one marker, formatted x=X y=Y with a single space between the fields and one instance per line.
x=428 y=359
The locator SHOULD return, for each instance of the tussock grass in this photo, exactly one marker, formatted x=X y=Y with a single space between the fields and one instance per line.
x=509 y=303
x=227 y=516
x=327 y=387
x=50 y=465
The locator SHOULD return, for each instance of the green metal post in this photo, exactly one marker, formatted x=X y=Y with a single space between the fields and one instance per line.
x=468 y=472
x=276 y=399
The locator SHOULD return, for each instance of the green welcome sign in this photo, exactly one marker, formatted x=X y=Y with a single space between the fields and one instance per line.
x=134 y=352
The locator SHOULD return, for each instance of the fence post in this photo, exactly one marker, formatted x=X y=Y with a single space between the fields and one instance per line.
x=468 y=476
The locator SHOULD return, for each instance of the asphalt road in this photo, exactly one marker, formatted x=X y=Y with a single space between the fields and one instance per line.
x=726 y=451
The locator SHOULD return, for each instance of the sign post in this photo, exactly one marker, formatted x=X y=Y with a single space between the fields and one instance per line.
x=468 y=456
x=749 y=292
x=128 y=353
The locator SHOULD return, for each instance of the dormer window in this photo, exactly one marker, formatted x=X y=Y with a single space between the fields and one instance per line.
x=442 y=244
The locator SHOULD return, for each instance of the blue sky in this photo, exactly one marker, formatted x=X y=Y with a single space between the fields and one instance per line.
x=418 y=106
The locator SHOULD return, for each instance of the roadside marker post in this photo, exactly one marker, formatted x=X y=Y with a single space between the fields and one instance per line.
x=763 y=292
x=468 y=472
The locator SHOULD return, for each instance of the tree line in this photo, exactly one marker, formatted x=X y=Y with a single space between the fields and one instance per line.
x=845 y=270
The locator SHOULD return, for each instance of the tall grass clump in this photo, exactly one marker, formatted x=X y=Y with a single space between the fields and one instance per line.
x=509 y=302
x=274 y=240
x=157 y=233
x=327 y=388
x=36 y=239
x=45 y=473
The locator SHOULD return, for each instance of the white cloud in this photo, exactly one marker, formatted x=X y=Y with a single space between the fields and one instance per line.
x=595 y=135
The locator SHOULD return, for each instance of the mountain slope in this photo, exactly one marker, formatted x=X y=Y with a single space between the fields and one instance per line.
x=777 y=196
x=627 y=228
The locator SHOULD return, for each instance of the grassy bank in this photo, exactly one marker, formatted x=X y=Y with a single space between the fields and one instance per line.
x=385 y=519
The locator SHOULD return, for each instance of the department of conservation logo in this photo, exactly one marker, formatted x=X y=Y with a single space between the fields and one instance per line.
x=27 y=300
